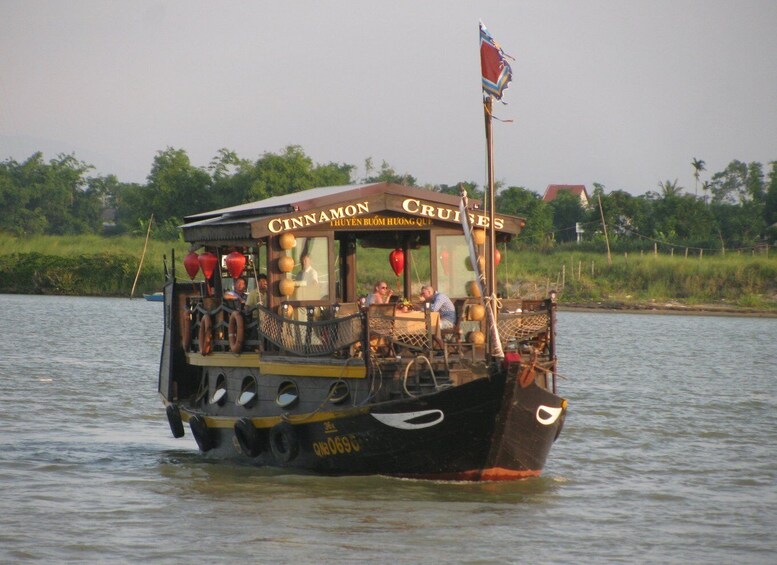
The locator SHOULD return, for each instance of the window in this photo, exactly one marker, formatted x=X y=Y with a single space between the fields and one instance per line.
x=311 y=268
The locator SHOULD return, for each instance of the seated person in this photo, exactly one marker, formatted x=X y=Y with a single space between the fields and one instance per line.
x=442 y=304
x=381 y=294
x=238 y=291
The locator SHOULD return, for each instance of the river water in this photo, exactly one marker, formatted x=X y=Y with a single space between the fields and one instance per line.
x=669 y=455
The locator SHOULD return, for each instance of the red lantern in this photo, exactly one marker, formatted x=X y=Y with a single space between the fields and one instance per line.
x=445 y=259
x=397 y=261
x=236 y=262
x=497 y=257
x=191 y=264
x=208 y=263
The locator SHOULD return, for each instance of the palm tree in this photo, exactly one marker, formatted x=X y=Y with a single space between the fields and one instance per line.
x=669 y=188
x=698 y=167
x=706 y=186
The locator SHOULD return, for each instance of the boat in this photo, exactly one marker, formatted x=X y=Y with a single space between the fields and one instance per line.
x=154 y=296
x=307 y=377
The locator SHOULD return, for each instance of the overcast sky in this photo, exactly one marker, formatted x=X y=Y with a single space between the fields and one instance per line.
x=623 y=93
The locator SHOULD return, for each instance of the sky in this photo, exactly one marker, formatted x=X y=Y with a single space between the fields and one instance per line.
x=624 y=93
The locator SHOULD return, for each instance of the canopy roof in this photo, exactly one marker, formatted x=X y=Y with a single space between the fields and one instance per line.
x=337 y=207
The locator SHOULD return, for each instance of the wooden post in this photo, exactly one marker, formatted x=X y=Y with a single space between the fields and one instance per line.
x=604 y=225
x=145 y=245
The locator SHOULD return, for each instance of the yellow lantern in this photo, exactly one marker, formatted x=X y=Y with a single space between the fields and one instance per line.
x=481 y=263
x=476 y=312
x=285 y=311
x=476 y=337
x=285 y=264
x=286 y=287
x=479 y=236
x=473 y=289
x=287 y=240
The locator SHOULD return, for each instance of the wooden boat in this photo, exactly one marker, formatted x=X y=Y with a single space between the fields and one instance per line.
x=309 y=377
x=312 y=379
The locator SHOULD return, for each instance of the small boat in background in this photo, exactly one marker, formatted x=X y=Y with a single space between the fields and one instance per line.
x=154 y=297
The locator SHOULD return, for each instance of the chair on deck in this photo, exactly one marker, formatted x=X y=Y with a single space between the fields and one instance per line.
x=454 y=339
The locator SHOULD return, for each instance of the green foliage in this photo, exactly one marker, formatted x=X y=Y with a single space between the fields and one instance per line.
x=738 y=207
x=734 y=279
x=518 y=201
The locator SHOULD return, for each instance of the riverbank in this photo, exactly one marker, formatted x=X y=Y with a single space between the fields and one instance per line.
x=671 y=308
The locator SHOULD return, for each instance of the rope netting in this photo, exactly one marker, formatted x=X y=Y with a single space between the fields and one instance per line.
x=309 y=338
x=522 y=326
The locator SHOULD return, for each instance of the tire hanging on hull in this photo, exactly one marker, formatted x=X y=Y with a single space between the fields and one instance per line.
x=202 y=435
x=249 y=438
x=174 y=419
x=284 y=442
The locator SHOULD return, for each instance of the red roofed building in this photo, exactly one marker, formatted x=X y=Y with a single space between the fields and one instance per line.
x=551 y=193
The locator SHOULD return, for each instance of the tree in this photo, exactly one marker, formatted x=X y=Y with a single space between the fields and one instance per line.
x=567 y=211
x=729 y=184
x=518 y=201
x=52 y=198
x=698 y=167
x=770 y=200
x=292 y=171
x=176 y=187
x=388 y=174
x=670 y=188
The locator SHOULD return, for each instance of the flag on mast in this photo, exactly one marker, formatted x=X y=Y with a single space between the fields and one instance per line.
x=496 y=71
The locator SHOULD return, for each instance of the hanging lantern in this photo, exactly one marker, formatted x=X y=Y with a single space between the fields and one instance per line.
x=191 y=264
x=476 y=337
x=481 y=263
x=445 y=259
x=497 y=257
x=476 y=312
x=473 y=289
x=479 y=236
x=286 y=287
x=236 y=262
x=285 y=264
x=287 y=240
x=397 y=261
x=208 y=263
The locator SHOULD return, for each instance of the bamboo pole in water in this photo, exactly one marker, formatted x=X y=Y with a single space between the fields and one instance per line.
x=145 y=246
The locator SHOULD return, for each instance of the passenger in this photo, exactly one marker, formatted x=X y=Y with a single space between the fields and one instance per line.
x=259 y=294
x=238 y=291
x=307 y=273
x=442 y=304
x=381 y=294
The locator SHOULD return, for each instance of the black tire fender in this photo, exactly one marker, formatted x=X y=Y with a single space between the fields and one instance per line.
x=202 y=434
x=284 y=442
x=174 y=419
x=249 y=438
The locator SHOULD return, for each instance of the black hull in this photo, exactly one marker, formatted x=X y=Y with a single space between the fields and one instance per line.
x=488 y=429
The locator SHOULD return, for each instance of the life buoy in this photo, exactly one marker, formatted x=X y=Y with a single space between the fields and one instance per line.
x=186 y=330
x=248 y=437
x=283 y=442
x=205 y=334
x=202 y=434
x=236 y=331
x=174 y=419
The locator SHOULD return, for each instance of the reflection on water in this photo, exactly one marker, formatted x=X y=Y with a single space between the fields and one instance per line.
x=669 y=448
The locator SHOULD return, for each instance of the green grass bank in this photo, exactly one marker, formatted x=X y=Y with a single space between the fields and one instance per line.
x=100 y=266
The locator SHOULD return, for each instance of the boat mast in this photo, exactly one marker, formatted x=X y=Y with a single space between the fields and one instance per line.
x=495 y=343
x=491 y=241
x=496 y=76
